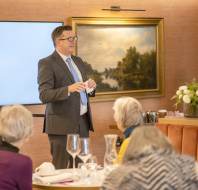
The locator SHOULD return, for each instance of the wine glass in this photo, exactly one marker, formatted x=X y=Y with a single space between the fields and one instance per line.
x=84 y=154
x=73 y=146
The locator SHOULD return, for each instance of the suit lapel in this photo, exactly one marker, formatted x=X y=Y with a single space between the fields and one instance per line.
x=80 y=67
x=63 y=65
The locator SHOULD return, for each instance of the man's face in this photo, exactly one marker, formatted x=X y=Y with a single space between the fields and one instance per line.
x=66 y=42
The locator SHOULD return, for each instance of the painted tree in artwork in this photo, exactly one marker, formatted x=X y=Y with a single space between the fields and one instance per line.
x=134 y=72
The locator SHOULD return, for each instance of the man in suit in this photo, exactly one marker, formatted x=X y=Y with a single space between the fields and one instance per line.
x=62 y=86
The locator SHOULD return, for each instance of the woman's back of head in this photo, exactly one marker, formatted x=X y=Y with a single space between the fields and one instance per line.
x=143 y=138
x=16 y=123
x=127 y=112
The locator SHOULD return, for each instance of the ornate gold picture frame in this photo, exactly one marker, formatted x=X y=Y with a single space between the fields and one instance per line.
x=123 y=55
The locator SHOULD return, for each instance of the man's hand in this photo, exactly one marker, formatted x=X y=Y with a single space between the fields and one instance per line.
x=91 y=84
x=76 y=87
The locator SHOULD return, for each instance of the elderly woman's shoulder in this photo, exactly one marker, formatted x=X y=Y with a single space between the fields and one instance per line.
x=120 y=177
x=19 y=159
x=132 y=175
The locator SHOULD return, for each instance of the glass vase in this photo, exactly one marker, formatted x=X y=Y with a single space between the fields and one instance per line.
x=190 y=110
x=110 y=156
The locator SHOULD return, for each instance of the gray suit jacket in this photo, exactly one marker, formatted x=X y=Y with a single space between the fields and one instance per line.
x=62 y=111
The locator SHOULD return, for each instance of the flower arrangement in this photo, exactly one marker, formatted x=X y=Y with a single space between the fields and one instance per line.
x=187 y=94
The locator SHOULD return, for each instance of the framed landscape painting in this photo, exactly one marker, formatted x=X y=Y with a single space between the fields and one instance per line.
x=123 y=55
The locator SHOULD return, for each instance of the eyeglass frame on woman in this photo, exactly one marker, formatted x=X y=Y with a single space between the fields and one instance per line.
x=70 y=39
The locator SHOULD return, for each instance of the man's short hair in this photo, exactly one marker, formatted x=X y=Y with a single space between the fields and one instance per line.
x=57 y=32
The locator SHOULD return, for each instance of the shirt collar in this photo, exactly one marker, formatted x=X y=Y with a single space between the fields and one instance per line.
x=64 y=57
x=129 y=130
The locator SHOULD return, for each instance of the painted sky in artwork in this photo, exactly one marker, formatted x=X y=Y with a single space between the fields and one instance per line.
x=104 y=46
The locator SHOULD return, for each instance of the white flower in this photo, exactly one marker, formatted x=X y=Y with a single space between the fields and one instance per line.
x=186 y=99
x=186 y=91
x=184 y=87
x=178 y=92
x=187 y=94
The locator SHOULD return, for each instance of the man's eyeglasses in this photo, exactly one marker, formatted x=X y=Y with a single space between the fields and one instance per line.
x=70 y=39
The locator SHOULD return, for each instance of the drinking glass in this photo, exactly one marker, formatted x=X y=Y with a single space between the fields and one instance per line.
x=84 y=153
x=73 y=146
x=91 y=163
x=92 y=159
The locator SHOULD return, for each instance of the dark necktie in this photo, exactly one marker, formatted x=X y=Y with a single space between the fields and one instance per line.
x=83 y=95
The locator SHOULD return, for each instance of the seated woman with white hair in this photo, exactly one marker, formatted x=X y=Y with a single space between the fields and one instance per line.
x=150 y=163
x=128 y=116
x=16 y=124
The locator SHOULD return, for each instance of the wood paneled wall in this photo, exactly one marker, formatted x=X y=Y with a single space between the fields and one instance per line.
x=180 y=45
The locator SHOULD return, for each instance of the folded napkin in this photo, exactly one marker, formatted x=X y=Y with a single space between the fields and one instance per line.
x=62 y=177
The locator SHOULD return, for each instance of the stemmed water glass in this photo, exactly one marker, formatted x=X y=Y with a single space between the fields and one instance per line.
x=73 y=146
x=84 y=153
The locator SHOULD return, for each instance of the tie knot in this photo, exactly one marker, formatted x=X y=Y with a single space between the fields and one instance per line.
x=68 y=60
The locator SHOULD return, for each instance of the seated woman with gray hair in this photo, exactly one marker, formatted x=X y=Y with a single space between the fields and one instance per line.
x=16 y=124
x=150 y=163
x=128 y=115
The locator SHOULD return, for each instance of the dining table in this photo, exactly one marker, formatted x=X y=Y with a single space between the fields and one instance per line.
x=70 y=179
x=62 y=187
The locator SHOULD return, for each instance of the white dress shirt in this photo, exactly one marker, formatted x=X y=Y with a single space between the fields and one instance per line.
x=83 y=108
